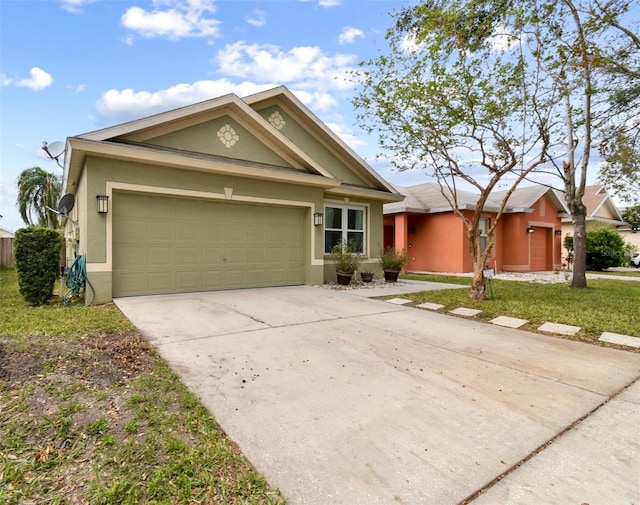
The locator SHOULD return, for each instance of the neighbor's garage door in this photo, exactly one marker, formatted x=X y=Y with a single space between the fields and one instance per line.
x=174 y=245
x=540 y=249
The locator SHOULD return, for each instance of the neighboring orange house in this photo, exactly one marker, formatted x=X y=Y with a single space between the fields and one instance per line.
x=528 y=235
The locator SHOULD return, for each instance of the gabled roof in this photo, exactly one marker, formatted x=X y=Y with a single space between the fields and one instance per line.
x=600 y=206
x=597 y=200
x=524 y=198
x=427 y=198
x=286 y=99
x=4 y=233
x=126 y=141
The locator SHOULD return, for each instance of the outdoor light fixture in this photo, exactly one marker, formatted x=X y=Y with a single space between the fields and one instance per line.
x=318 y=219
x=103 y=204
x=530 y=230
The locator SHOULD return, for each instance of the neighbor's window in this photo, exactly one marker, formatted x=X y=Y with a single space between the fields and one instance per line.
x=343 y=223
x=484 y=228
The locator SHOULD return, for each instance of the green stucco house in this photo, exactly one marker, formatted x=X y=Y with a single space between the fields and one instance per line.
x=223 y=194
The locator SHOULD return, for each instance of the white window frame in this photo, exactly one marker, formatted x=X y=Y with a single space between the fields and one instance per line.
x=483 y=225
x=344 y=225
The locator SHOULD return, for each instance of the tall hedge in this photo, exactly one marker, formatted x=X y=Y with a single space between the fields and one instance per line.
x=37 y=262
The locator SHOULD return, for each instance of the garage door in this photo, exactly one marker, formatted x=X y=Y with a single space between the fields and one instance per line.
x=173 y=245
x=540 y=249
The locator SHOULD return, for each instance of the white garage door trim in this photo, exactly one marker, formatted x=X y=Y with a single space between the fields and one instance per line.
x=228 y=195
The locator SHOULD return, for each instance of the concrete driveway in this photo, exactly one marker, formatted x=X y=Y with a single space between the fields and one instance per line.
x=340 y=399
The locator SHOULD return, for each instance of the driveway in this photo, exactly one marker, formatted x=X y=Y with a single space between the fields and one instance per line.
x=337 y=398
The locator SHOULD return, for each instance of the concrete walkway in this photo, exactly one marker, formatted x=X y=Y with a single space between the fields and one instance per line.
x=341 y=399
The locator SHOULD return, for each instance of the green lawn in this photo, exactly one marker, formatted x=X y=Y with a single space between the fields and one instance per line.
x=634 y=273
x=90 y=414
x=606 y=305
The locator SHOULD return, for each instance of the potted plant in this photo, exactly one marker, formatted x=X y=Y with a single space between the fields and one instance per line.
x=366 y=276
x=347 y=261
x=392 y=262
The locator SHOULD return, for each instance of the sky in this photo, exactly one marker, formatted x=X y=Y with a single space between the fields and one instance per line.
x=68 y=67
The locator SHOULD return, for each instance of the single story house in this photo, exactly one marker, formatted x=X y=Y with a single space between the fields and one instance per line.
x=601 y=210
x=528 y=235
x=227 y=193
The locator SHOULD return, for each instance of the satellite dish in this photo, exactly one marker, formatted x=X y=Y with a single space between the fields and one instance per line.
x=56 y=149
x=66 y=203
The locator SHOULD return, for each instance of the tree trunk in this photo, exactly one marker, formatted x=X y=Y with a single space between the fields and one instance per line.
x=578 y=215
x=478 y=286
x=478 y=289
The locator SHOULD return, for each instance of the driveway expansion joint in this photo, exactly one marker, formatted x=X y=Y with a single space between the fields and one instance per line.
x=547 y=444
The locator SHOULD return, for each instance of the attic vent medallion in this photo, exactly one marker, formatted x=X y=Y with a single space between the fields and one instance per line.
x=277 y=121
x=228 y=136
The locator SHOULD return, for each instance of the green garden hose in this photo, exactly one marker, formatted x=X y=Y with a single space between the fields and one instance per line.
x=77 y=281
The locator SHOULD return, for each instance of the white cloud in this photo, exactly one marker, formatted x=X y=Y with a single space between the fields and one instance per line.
x=173 y=19
x=349 y=35
x=503 y=39
x=316 y=101
x=75 y=88
x=74 y=6
x=346 y=135
x=329 y=3
x=306 y=66
x=409 y=44
x=123 y=105
x=38 y=79
x=257 y=18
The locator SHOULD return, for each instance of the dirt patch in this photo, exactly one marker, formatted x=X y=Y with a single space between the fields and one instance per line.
x=101 y=360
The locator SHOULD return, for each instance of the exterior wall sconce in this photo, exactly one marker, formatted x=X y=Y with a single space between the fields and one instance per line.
x=103 y=204
x=318 y=219
x=530 y=229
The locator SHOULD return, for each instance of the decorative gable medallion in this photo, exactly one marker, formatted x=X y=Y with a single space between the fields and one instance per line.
x=277 y=121
x=228 y=136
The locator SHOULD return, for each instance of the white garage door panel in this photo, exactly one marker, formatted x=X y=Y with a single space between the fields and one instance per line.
x=171 y=245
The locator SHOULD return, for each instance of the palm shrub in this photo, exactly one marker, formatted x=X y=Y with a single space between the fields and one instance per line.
x=605 y=248
x=37 y=260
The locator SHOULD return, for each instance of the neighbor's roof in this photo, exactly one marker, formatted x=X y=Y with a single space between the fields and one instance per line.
x=600 y=206
x=524 y=198
x=4 y=233
x=596 y=199
x=428 y=198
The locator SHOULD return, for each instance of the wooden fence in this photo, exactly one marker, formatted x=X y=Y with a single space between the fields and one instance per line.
x=6 y=252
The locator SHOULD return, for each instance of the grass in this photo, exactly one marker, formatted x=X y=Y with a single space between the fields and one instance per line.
x=619 y=274
x=90 y=414
x=606 y=305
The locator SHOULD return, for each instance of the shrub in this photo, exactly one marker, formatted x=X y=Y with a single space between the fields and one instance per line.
x=346 y=258
x=605 y=248
x=37 y=260
x=390 y=259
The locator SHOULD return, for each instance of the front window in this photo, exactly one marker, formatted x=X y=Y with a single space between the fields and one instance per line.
x=484 y=228
x=344 y=223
